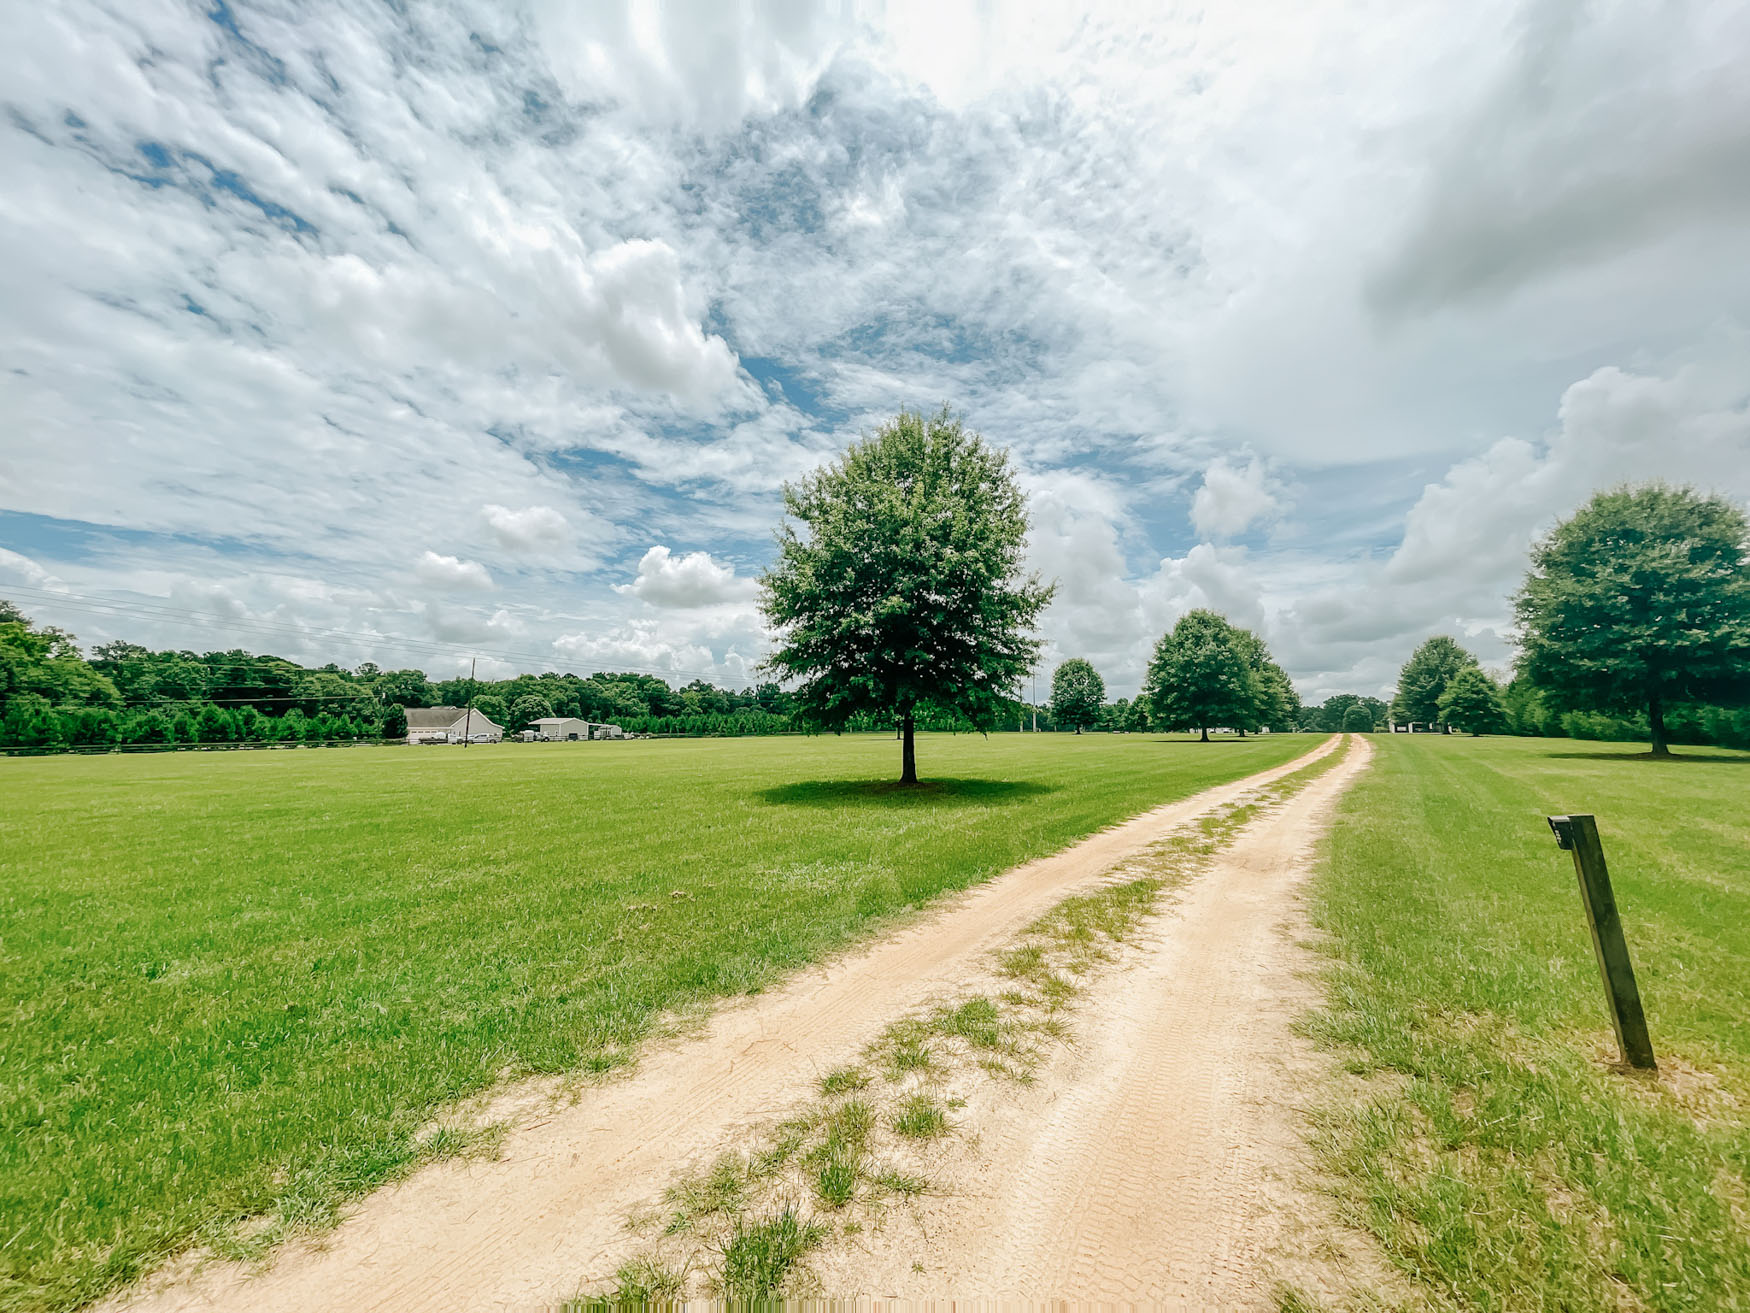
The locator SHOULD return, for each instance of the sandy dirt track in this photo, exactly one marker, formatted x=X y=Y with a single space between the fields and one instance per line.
x=523 y=1230
x=1156 y=1163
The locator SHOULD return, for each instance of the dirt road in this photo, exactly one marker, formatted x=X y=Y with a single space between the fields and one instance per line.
x=1156 y=1163
x=523 y=1230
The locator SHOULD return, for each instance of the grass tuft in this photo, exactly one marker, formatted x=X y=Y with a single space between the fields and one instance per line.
x=835 y=1184
x=758 y=1257
x=977 y=1021
x=846 y=1080
x=920 y=1118
x=721 y=1190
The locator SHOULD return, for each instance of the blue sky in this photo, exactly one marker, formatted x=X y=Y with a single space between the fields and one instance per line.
x=406 y=333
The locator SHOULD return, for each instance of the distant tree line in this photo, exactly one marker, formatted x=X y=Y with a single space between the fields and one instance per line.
x=52 y=697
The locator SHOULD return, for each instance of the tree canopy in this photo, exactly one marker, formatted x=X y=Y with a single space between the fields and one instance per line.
x=1472 y=703
x=1078 y=695
x=1357 y=719
x=1425 y=677
x=529 y=707
x=1207 y=672
x=1641 y=599
x=1277 y=704
x=1328 y=715
x=898 y=586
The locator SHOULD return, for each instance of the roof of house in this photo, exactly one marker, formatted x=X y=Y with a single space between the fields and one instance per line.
x=557 y=720
x=444 y=717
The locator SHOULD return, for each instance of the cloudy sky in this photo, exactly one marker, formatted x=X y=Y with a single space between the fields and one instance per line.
x=409 y=332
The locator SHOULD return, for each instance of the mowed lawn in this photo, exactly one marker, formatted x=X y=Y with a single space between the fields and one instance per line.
x=237 y=985
x=1496 y=1155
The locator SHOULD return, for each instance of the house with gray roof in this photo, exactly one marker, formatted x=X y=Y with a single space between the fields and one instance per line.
x=451 y=725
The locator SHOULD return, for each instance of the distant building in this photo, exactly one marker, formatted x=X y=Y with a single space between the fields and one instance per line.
x=451 y=725
x=564 y=729
x=1417 y=727
x=553 y=729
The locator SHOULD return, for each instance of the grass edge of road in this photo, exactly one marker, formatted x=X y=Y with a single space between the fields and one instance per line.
x=1482 y=1133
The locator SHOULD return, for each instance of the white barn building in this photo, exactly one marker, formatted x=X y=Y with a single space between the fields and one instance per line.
x=558 y=729
x=451 y=725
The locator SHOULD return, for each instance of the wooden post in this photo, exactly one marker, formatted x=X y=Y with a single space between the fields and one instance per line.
x=1579 y=835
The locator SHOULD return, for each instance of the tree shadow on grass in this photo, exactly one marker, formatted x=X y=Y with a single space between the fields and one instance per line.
x=1213 y=740
x=888 y=793
x=1742 y=759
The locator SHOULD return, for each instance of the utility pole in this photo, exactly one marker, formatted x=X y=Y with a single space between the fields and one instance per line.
x=468 y=720
x=1035 y=701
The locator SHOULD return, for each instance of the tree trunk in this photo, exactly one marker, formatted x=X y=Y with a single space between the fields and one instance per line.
x=1206 y=734
x=1656 y=723
x=1241 y=733
x=908 y=769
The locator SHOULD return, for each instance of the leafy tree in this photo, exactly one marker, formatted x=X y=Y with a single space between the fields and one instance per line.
x=326 y=692
x=395 y=722
x=1357 y=720
x=1200 y=675
x=29 y=722
x=527 y=708
x=214 y=724
x=1527 y=712
x=238 y=678
x=46 y=662
x=1277 y=703
x=1472 y=703
x=898 y=587
x=1424 y=678
x=1077 y=692
x=1640 y=600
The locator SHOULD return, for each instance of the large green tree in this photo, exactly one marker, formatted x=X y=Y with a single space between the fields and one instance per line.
x=1472 y=703
x=46 y=663
x=898 y=588
x=1077 y=695
x=529 y=707
x=1277 y=703
x=1641 y=599
x=1201 y=674
x=1425 y=677
x=407 y=688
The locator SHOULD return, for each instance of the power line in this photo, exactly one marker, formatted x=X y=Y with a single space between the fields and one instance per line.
x=275 y=628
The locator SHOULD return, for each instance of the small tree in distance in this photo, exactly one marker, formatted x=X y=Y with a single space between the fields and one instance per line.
x=1077 y=695
x=1425 y=676
x=1472 y=703
x=1200 y=675
x=898 y=586
x=1357 y=720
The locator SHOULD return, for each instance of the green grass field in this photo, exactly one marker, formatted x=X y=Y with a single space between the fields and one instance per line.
x=236 y=985
x=1497 y=1156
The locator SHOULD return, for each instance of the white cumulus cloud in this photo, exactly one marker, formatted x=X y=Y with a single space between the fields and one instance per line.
x=451 y=572
x=533 y=528
x=682 y=582
x=1232 y=499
